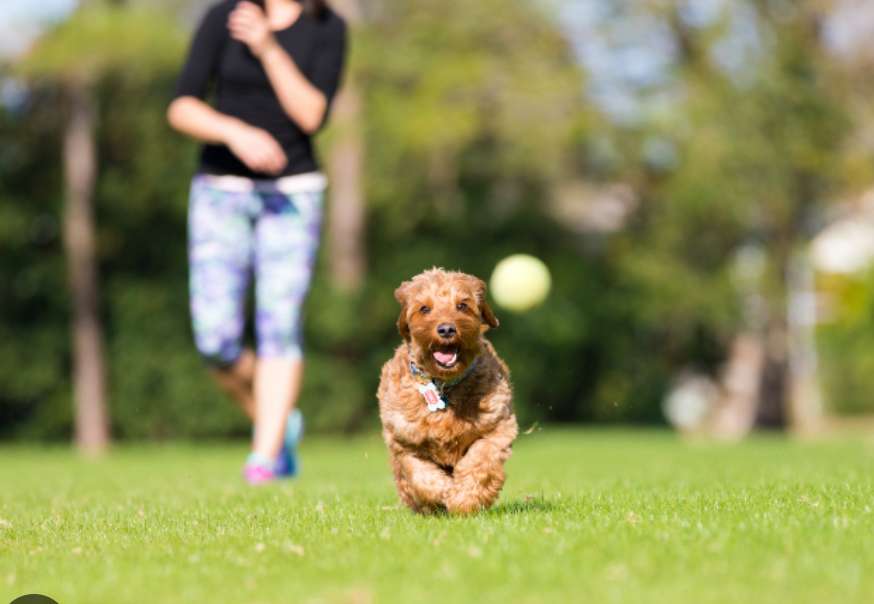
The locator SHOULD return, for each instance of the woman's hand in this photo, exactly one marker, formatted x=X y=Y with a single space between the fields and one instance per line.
x=305 y=104
x=248 y=24
x=256 y=148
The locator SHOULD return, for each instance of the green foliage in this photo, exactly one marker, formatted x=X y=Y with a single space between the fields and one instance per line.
x=103 y=39
x=466 y=96
x=474 y=115
x=742 y=156
x=846 y=344
x=616 y=516
x=34 y=364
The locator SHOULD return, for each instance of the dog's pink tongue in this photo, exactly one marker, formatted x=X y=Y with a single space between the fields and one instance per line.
x=444 y=358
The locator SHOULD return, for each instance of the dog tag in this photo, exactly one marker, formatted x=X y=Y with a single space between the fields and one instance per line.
x=432 y=397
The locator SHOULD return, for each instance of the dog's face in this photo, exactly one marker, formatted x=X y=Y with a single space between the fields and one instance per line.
x=443 y=316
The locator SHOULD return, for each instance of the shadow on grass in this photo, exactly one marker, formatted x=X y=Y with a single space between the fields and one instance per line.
x=528 y=505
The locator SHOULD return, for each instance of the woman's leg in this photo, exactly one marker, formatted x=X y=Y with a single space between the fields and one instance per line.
x=220 y=235
x=277 y=387
x=238 y=381
x=286 y=240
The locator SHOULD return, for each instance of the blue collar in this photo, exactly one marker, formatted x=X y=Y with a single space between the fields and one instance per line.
x=442 y=386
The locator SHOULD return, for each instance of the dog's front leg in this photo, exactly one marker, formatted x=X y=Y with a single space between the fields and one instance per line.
x=422 y=484
x=479 y=476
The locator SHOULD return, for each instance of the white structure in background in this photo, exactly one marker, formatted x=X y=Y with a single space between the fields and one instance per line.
x=690 y=402
x=846 y=246
x=591 y=209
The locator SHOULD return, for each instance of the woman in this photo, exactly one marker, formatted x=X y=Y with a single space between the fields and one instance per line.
x=256 y=201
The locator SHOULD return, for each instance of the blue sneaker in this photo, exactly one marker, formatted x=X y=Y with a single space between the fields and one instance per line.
x=286 y=464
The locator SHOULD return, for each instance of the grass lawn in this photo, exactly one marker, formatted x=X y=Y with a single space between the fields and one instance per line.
x=586 y=516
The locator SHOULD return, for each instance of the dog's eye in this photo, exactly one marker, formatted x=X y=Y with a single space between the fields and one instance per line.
x=425 y=310
x=461 y=306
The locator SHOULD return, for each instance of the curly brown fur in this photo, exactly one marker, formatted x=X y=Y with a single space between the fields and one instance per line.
x=451 y=459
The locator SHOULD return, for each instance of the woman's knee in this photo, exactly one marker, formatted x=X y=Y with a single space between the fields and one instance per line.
x=217 y=353
x=280 y=346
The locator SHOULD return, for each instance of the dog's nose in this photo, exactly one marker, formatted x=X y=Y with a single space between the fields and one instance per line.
x=446 y=330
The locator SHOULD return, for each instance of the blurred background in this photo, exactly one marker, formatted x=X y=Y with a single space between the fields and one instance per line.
x=696 y=174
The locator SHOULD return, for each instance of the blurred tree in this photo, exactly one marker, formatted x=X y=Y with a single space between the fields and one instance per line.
x=100 y=38
x=347 y=250
x=845 y=339
x=745 y=145
x=468 y=141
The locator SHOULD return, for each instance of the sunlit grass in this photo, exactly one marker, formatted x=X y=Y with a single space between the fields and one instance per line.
x=586 y=516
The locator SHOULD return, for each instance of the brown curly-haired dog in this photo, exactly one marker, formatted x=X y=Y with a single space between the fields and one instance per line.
x=445 y=398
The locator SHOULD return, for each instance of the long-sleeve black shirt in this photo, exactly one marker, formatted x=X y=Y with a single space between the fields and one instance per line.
x=242 y=89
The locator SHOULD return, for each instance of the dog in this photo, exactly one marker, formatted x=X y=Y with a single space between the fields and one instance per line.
x=445 y=399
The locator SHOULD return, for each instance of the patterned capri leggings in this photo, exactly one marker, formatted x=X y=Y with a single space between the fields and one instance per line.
x=238 y=228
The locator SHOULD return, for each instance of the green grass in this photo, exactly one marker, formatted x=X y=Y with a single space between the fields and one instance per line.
x=585 y=516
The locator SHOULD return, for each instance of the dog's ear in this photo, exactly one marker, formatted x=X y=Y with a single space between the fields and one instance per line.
x=401 y=296
x=488 y=315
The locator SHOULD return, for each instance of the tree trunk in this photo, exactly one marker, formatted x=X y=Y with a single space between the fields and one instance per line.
x=346 y=218
x=735 y=411
x=80 y=171
x=804 y=397
x=772 y=405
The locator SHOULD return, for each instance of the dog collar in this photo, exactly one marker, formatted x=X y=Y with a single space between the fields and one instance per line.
x=434 y=390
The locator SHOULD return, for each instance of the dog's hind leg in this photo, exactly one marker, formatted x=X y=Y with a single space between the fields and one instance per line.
x=422 y=485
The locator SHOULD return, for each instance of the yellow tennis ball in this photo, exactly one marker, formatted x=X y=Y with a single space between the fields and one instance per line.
x=520 y=282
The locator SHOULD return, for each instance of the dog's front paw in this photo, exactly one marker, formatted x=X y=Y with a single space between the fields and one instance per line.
x=469 y=496
x=462 y=505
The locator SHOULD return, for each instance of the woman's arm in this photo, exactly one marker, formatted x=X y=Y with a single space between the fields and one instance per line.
x=195 y=118
x=302 y=101
x=253 y=146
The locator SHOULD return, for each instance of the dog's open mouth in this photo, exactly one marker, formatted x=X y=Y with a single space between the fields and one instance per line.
x=446 y=356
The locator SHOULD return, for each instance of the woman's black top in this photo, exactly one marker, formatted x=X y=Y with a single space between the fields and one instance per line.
x=242 y=89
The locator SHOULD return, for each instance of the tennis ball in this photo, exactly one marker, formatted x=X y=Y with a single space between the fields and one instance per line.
x=520 y=282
